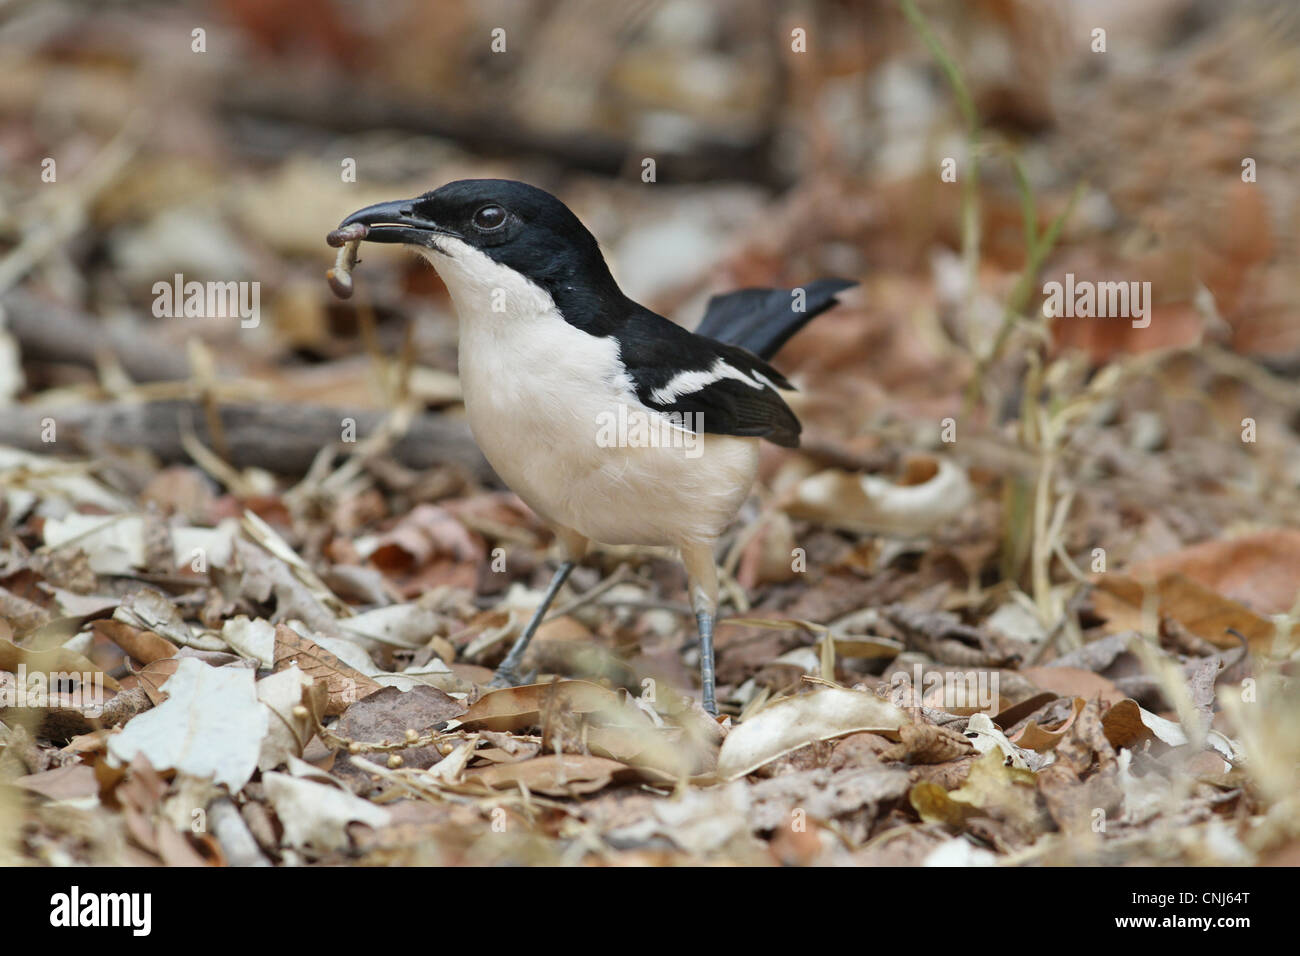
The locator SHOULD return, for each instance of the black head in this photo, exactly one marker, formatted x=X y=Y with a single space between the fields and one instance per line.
x=517 y=225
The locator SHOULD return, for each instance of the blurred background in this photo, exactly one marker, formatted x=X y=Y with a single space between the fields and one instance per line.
x=953 y=156
x=789 y=141
x=709 y=146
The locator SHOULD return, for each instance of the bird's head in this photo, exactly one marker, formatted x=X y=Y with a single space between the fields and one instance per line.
x=492 y=237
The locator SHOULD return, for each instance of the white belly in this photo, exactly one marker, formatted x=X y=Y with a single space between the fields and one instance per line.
x=576 y=448
x=541 y=396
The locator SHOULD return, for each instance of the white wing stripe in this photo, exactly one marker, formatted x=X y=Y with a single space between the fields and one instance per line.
x=685 y=383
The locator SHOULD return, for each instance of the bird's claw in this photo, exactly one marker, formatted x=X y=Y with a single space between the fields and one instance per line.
x=507 y=677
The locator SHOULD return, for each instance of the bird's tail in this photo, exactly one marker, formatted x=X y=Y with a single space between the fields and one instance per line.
x=762 y=320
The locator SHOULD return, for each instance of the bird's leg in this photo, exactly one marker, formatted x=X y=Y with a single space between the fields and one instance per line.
x=704 y=621
x=574 y=546
x=507 y=674
x=702 y=575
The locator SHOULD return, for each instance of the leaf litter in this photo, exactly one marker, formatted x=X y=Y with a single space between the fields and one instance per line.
x=1066 y=636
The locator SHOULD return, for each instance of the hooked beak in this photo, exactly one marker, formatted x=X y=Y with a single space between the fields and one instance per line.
x=394 y=221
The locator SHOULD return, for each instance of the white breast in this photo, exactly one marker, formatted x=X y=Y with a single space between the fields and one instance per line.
x=545 y=401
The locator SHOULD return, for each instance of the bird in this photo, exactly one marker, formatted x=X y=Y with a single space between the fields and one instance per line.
x=614 y=424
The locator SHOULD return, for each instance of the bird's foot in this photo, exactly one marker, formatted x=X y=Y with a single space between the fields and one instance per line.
x=509 y=677
x=507 y=674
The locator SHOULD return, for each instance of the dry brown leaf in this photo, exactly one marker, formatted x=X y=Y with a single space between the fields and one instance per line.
x=859 y=750
x=557 y=776
x=513 y=709
x=62 y=783
x=868 y=647
x=151 y=610
x=512 y=744
x=92 y=742
x=927 y=743
x=390 y=713
x=1099 y=655
x=143 y=647
x=139 y=790
x=344 y=684
x=527 y=751
x=1018 y=712
x=1123 y=725
x=1119 y=598
x=175 y=849
x=949 y=775
x=1086 y=741
x=944 y=637
x=1072 y=787
x=1074 y=682
x=393 y=715
x=425 y=531
x=1034 y=737
x=1261 y=570
x=153 y=675
x=643 y=747
x=21 y=614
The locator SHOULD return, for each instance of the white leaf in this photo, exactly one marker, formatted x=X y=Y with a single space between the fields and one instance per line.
x=315 y=815
x=211 y=725
x=114 y=544
x=869 y=503
x=254 y=639
x=287 y=734
x=789 y=724
x=1167 y=730
x=403 y=625
x=987 y=736
x=959 y=852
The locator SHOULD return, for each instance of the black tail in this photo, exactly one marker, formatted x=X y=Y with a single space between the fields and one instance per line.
x=762 y=320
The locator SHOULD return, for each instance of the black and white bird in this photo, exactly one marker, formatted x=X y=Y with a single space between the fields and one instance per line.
x=552 y=353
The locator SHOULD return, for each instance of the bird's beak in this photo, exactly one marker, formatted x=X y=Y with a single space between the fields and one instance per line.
x=394 y=221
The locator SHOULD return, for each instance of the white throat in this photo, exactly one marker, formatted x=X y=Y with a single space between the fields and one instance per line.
x=483 y=290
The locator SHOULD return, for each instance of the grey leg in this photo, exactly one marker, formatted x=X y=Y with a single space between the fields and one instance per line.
x=703 y=576
x=705 y=621
x=507 y=674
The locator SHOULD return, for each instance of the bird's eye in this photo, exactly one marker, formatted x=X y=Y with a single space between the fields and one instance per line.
x=490 y=217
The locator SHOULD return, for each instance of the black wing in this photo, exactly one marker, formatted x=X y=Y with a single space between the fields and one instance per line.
x=762 y=320
x=718 y=388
